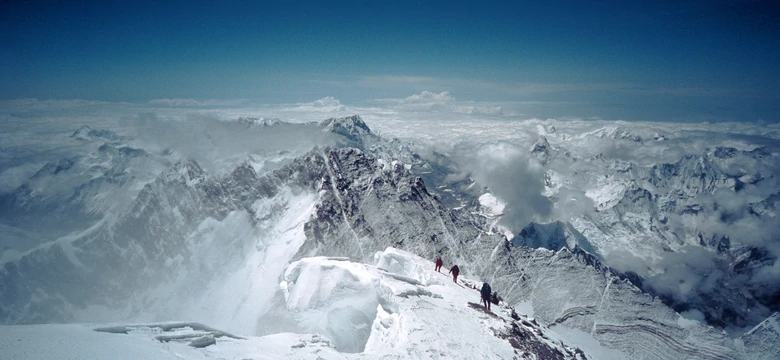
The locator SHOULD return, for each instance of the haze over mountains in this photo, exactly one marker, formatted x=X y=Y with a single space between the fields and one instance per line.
x=653 y=240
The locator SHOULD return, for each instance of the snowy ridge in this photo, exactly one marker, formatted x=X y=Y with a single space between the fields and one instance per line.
x=616 y=132
x=258 y=122
x=396 y=322
x=345 y=310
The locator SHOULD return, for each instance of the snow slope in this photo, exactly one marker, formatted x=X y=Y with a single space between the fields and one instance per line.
x=399 y=308
x=153 y=341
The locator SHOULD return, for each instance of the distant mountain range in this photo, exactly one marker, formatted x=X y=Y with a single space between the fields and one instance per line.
x=122 y=233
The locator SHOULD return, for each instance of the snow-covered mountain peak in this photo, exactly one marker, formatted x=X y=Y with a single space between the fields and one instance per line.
x=81 y=132
x=725 y=152
x=541 y=146
x=616 y=132
x=542 y=150
x=258 y=122
x=186 y=171
x=121 y=151
x=87 y=133
x=351 y=127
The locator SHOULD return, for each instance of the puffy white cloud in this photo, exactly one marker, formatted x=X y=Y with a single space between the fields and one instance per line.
x=429 y=97
x=424 y=100
x=512 y=176
x=327 y=101
x=326 y=104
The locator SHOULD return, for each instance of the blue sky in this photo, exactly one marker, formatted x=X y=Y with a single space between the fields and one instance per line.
x=682 y=60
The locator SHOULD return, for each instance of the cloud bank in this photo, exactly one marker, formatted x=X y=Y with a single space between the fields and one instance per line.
x=442 y=102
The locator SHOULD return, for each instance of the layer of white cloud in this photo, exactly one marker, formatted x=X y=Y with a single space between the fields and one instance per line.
x=442 y=102
x=199 y=103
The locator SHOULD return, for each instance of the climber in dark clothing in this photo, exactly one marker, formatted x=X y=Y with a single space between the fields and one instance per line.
x=455 y=270
x=494 y=298
x=439 y=263
x=485 y=292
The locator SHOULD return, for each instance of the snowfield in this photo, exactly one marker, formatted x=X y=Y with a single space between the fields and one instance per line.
x=399 y=308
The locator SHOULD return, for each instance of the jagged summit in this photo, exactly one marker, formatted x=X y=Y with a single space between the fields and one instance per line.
x=616 y=133
x=351 y=127
x=541 y=146
x=121 y=151
x=542 y=150
x=186 y=170
x=725 y=152
x=87 y=133
x=258 y=122
x=81 y=132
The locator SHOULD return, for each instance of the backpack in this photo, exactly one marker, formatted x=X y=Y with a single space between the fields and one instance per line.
x=485 y=291
x=494 y=298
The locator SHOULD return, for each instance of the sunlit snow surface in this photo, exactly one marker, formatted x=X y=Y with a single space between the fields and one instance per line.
x=235 y=281
x=398 y=309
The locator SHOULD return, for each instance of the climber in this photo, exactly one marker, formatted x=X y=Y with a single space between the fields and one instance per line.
x=485 y=292
x=439 y=263
x=455 y=270
x=495 y=299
